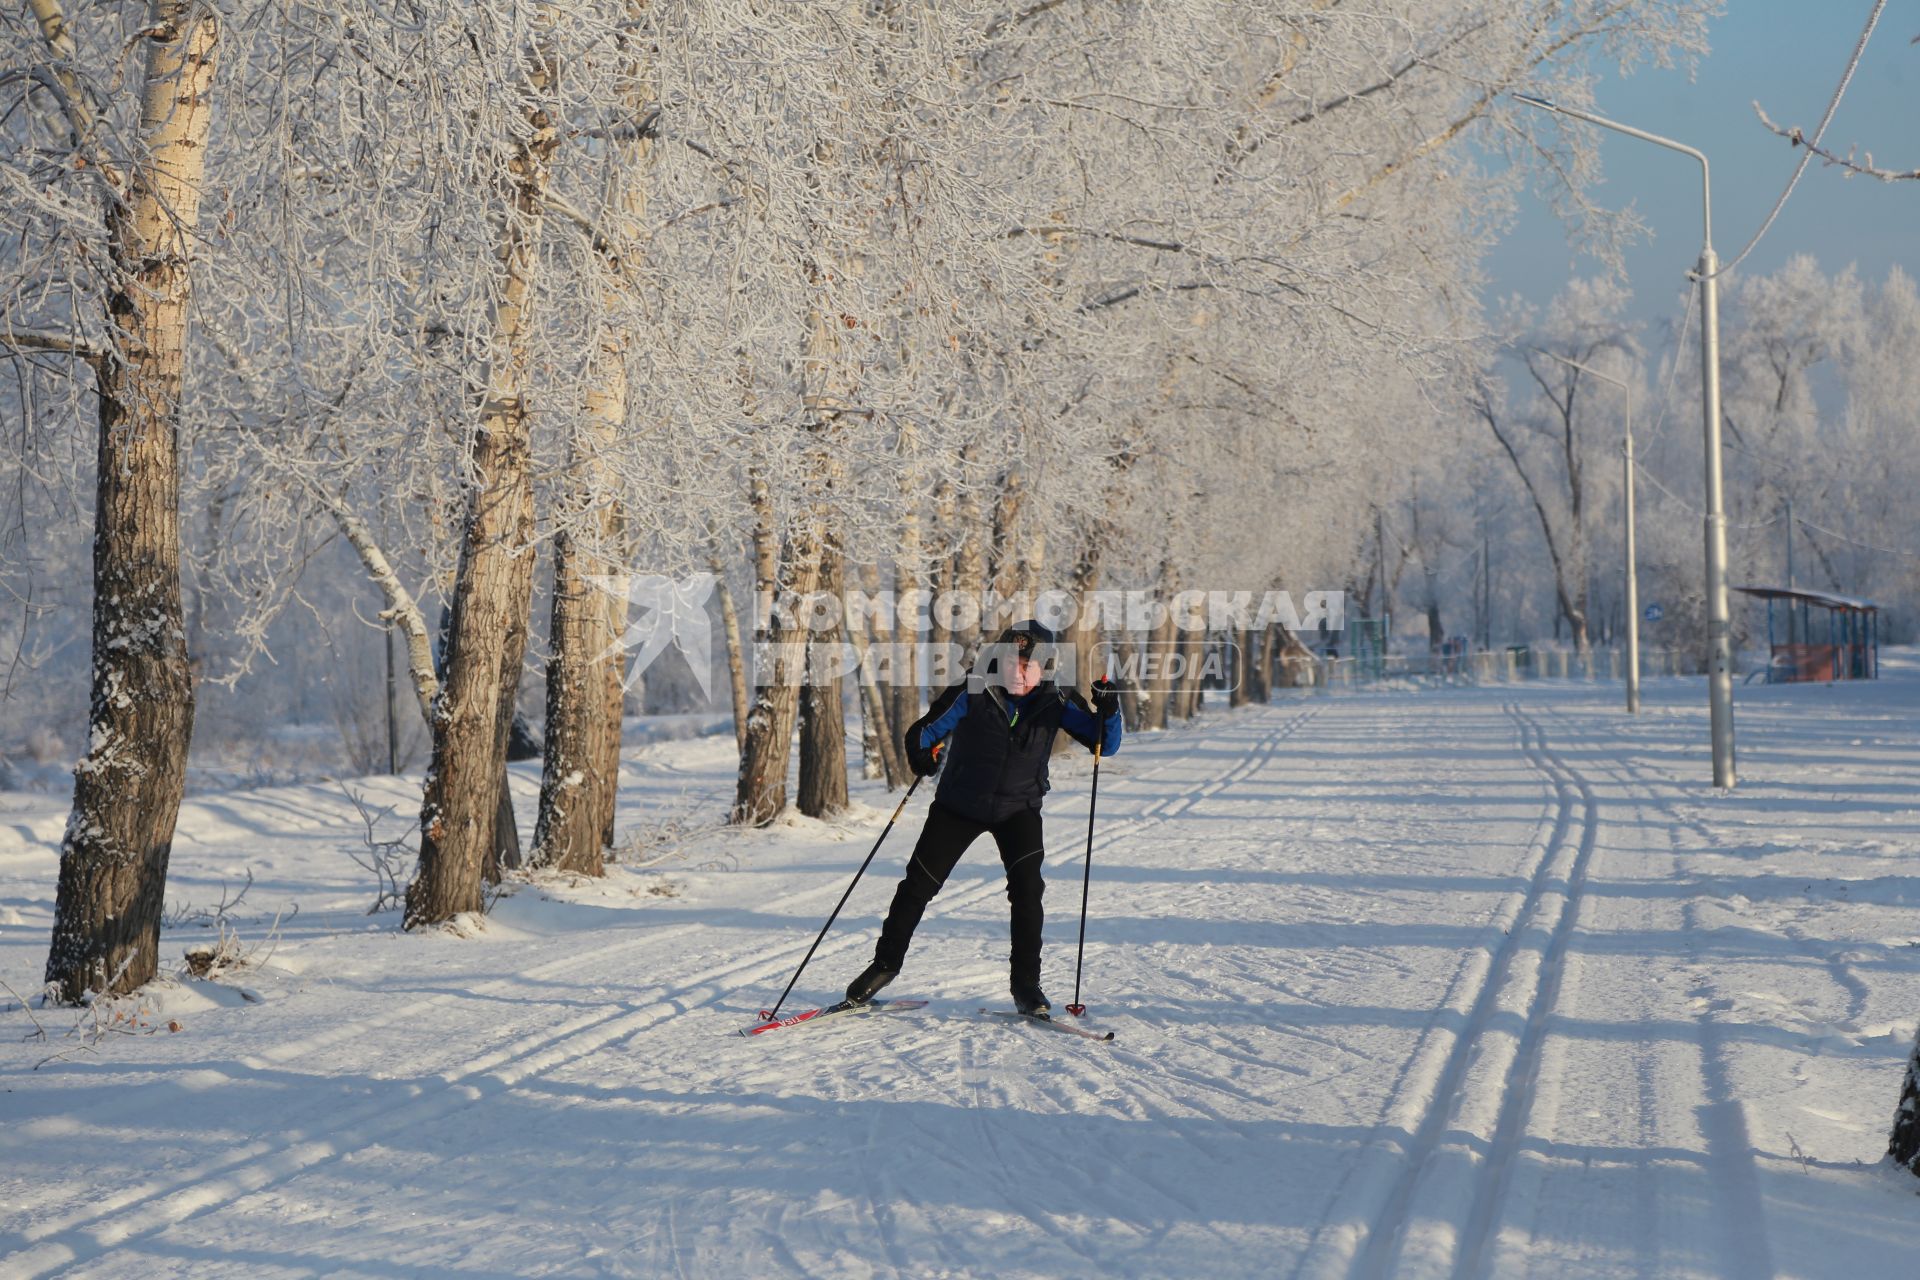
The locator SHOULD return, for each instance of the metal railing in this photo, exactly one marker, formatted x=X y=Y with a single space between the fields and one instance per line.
x=1512 y=665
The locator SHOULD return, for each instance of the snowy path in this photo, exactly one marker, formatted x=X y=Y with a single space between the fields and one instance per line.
x=1448 y=984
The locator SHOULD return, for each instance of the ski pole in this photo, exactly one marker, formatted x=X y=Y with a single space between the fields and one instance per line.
x=768 y=1015
x=1077 y=1009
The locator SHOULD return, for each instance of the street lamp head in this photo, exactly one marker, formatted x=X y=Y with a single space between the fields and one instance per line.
x=1576 y=113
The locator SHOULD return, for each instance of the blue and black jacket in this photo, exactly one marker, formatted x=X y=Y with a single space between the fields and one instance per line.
x=996 y=761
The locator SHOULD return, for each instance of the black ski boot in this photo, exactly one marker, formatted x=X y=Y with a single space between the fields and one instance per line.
x=1029 y=999
x=870 y=982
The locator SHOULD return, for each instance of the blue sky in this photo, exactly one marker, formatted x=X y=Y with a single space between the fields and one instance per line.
x=1789 y=56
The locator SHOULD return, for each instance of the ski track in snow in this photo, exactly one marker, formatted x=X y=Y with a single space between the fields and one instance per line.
x=1732 y=1223
x=1404 y=1213
x=151 y=1206
x=1459 y=983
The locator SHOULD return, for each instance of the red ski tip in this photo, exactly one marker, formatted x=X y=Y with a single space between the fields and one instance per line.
x=1077 y=1010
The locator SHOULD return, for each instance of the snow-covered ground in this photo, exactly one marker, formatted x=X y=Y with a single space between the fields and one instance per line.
x=1456 y=982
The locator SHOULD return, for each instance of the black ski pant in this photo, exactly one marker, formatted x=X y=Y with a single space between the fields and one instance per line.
x=942 y=841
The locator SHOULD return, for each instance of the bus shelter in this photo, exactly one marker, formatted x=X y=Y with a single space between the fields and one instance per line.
x=1827 y=637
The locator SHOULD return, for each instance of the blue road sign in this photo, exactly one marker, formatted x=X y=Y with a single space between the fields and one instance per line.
x=1653 y=613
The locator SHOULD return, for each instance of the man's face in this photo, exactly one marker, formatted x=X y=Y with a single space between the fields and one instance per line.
x=1025 y=677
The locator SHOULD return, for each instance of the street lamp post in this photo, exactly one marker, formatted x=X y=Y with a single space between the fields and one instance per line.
x=1719 y=624
x=1633 y=579
x=1633 y=574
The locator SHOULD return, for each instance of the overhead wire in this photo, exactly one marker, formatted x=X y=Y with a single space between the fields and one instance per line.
x=1891 y=551
x=1806 y=156
x=1679 y=336
x=1654 y=480
x=1799 y=521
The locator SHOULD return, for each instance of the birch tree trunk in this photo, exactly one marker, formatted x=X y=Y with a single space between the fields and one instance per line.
x=580 y=766
x=1132 y=714
x=969 y=561
x=1242 y=669
x=1162 y=645
x=882 y=737
x=969 y=581
x=1259 y=669
x=127 y=788
x=904 y=692
x=825 y=387
x=1032 y=562
x=873 y=727
x=823 y=733
x=503 y=840
x=1085 y=634
x=736 y=661
x=766 y=558
x=1004 y=559
x=940 y=630
x=1185 y=702
x=493 y=588
x=607 y=747
x=876 y=703
x=1180 y=695
x=1082 y=637
x=761 y=792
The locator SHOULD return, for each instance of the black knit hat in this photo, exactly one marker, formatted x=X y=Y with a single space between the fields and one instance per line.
x=994 y=662
x=1028 y=636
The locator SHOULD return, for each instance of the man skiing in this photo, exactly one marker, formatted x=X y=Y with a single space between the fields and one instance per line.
x=994 y=731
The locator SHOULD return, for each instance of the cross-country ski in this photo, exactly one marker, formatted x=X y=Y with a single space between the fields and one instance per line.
x=1050 y=1022
x=814 y=1017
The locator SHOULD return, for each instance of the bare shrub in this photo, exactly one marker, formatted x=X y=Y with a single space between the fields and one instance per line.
x=389 y=862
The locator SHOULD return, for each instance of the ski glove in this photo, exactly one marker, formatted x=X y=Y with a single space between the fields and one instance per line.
x=925 y=761
x=1106 y=698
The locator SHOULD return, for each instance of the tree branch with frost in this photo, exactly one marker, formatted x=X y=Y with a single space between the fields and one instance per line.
x=1058 y=231
x=60 y=343
x=1020 y=17
x=1423 y=60
x=74 y=96
x=1854 y=162
x=402 y=609
x=1482 y=404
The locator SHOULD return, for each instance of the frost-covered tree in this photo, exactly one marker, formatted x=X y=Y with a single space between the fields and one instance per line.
x=109 y=183
x=1563 y=425
x=989 y=297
